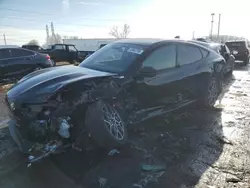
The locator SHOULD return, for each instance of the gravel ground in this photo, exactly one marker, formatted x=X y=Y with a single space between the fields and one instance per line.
x=193 y=148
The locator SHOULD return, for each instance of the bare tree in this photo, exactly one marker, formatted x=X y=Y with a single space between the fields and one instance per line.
x=120 y=32
x=33 y=42
x=70 y=37
x=57 y=39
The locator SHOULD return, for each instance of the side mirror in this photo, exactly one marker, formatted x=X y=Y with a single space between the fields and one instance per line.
x=148 y=71
x=226 y=56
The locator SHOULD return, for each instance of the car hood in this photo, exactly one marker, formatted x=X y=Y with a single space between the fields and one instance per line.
x=52 y=78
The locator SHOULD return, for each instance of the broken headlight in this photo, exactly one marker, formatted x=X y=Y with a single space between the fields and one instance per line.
x=12 y=105
x=45 y=93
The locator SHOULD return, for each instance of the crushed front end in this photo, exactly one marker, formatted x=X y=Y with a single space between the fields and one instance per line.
x=36 y=130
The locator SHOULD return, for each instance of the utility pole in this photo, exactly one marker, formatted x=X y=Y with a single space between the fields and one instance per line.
x=218 y=35
x=53 y=32
x=47 y=35
x=193 y=35
x=4 y=38
x=212 y=24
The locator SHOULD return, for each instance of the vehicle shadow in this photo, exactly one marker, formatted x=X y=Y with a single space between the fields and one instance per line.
x=240 y=67
x=183 y=145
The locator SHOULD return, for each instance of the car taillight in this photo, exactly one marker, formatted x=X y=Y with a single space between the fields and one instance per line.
x=47 y=57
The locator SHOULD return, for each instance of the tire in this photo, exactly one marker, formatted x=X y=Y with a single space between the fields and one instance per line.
x=97 y=121
x=212 y=92
x=245 y=63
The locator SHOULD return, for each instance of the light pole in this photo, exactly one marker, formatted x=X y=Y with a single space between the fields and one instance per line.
x=4 y=39
x=212 y=23
x=218 y=35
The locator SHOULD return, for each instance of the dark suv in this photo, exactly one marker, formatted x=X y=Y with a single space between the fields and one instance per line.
x=240 y=50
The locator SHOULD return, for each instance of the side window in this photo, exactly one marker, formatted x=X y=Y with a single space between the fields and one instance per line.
x=27 y=53
x=59 y=47
x=204 y=52
x=16 y=53
x=72 y=49
x=188 y=54
x=162 y=58
x=5 y=53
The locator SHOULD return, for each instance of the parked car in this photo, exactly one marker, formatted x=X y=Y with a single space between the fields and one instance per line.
x=223 y=50
x=17 y=62
x=121 y=84
x=240 y=50
x=58 y=52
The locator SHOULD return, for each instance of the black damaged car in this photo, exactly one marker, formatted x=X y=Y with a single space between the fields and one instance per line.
x=121 y=84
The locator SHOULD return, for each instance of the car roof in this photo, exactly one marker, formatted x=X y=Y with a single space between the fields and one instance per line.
x=207 y=44
x=9 y=46
x=150 y=41
x=63 y=44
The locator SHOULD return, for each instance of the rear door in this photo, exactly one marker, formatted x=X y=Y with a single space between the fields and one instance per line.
x=59 y=53
x=190 y=60
x=5 y=55
x=72 y=53
x=19 y=64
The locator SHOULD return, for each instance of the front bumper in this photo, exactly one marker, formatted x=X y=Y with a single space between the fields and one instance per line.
x=33 y=150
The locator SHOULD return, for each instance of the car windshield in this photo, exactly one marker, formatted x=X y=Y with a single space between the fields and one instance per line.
x=114 y=57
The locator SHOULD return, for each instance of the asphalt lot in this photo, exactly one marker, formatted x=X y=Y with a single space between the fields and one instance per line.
x=193 y=148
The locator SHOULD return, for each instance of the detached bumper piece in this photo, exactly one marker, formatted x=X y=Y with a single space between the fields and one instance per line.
x=35 y=151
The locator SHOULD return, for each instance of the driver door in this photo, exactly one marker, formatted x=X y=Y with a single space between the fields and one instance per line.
x=160 y=87
x=72 y=53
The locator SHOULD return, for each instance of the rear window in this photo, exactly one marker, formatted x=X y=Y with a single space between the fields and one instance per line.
x=236 y=44
x=204 y=52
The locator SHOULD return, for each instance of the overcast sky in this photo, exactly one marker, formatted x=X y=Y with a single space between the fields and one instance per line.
x=23 y=20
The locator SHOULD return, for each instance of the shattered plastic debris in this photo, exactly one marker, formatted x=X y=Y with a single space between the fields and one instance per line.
x=153 y=177
x=153 y=167
x=232 y=178
x=113 y=151
x=225 y=140
x=31 y=157
x=239 y=117
x=102 y=182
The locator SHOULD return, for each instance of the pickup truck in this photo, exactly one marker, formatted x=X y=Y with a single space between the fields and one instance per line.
x=57 y=52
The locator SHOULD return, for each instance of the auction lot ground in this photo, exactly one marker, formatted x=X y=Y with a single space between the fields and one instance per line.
x=195 y=148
